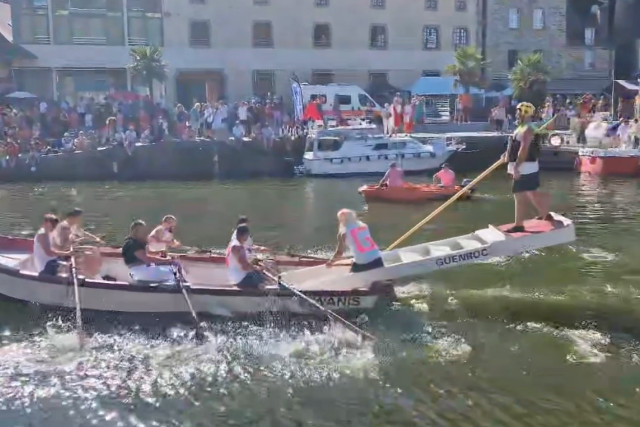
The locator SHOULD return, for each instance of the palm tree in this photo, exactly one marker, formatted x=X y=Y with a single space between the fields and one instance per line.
x=147 y=64
x=467 y=68
x=529 y=79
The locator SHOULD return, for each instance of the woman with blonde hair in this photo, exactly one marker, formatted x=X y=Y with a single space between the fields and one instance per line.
x=354 y=235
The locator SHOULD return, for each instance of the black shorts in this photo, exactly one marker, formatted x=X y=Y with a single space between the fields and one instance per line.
x=252 y=280
x=528 y=182
x=51 y=268
x=359 y=268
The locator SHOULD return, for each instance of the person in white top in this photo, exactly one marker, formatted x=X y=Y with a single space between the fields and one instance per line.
x=161 y=238
x=248 y=244
x=243 y=273
x=45 y=258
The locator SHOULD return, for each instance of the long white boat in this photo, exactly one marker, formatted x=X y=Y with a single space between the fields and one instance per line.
x=480 y=246
x=363 y=151
x=211 y=293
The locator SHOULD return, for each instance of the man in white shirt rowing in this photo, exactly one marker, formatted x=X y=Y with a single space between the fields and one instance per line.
x=45 y=258
x=248 y=244
x=241 y=271
x=162 y=238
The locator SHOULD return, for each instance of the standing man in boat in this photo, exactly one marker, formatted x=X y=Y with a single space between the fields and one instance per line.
x=161 y=238
x=354 y=235
x=446 y=177
x=393 y=178
x=142 y=266
x=243 y=273
x=522 y=157
x=45 y=258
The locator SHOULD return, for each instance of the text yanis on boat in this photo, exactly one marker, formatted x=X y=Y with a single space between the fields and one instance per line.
x=465 y=257
x=338 y=301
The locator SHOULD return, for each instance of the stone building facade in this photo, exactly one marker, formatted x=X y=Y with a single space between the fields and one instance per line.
x=519 y=27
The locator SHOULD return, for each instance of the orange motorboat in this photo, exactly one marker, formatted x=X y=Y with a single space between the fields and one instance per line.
x=412 y=193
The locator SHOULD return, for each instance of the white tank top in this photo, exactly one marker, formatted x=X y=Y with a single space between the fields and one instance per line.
x=165 y=239
x=40 y=258
x=234 y=268
x=248 y=245
x=358 y=239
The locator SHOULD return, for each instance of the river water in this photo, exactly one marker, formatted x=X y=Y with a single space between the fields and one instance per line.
x=545 y=339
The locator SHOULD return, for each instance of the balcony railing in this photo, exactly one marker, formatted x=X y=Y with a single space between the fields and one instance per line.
x=89 y=40
x=138 y=41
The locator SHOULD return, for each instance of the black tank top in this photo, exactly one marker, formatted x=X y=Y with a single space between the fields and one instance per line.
x=514 y=148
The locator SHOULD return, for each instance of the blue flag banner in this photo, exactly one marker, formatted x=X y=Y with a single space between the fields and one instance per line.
x=298 y=104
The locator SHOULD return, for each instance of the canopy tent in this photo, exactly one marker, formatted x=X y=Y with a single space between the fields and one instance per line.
x=439 y=86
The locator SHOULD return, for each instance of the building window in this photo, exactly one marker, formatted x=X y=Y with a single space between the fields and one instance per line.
x=321 y=35
x=431 y=4
x=261 y=2
x=34 y=23
x=200 y=34
x=95 y=22
x=512 y=58
x=460 y=37
x=262 y=34
x=264 y=82
x=144 y=20
x=378 y=4
x=589 y=36
x=322 y=3
x=322 y=77
x=461 y=5
x=378 y=37
x=589 y=60
x=538 y=19
x=430 y=37
x=514 y=18
x=430 y=73
x=378 y=78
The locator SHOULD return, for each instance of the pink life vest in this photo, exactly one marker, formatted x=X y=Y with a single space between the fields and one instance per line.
x=395 y=177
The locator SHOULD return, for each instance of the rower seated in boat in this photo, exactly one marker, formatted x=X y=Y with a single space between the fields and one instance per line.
x=161 y=238
x=445 y=177
x=249 y=245
x=354 y=235
x=142 y=266
x=393 y=178
x=69 y=234
x=46 y=259
x=243 y=273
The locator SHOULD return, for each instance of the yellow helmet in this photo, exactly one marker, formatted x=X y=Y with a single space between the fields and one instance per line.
x=526 y=109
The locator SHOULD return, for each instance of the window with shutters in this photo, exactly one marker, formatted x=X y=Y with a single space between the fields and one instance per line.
x=430 y=37
x=378 y=4
x=262 y=34
x=264 y=82
x=200 y=34
x=461 y=5
x=322 y=3
x=321 y=35
x=514 y=18
x=378 y=37
x=431 y=4
x=460 y=37
x=538 y=19
x=322 y=78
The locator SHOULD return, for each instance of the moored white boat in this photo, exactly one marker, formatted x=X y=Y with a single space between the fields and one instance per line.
x=208 y=285
x=480 y=246
x=356 y=151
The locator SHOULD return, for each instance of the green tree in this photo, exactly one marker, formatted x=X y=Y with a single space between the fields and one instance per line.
x=467 y=68
x=147 y=64
x=529 y=79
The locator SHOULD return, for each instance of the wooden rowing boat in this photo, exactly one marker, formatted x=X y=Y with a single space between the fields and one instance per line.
x=410 y=193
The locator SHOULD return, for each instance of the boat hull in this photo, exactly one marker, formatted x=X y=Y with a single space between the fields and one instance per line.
x=409 y=193
x=370 y=165
x=611 y=162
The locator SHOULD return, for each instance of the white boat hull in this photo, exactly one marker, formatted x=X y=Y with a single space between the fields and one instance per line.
x=479 y=246
x=359 y=165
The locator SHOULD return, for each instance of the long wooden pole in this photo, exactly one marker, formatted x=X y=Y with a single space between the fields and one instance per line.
x=455 y=197
x=76 y=293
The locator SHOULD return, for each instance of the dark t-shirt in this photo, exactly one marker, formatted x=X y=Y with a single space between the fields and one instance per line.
x=129 y=249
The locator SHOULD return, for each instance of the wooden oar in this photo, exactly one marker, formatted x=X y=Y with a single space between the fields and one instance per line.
x=455 y=197
x=200 y=336
x=74 y=278
x=311 y=257
x=329 y=313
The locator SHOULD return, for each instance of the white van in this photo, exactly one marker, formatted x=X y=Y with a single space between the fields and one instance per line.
x=353 y=101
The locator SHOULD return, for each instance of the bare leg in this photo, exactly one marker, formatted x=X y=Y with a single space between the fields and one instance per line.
x=541 y=201
x=521 y=208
